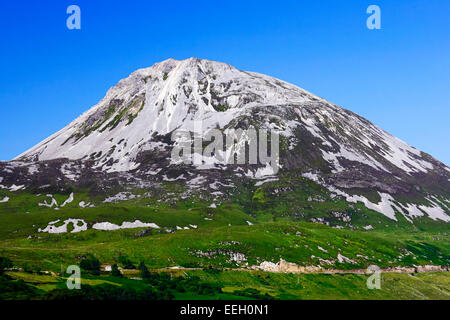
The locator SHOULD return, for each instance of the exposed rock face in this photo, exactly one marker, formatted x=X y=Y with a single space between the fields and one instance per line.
x=144 y=232
x=400 y=270
x=289 y=267
x=125 y=142
x=428 y=268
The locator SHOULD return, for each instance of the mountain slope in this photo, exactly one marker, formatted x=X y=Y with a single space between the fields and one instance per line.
x=125 y=138
x=168 y=96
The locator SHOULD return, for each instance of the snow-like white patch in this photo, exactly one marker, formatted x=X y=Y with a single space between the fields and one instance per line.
x=311 y=176
x=32 y=169
x=5 y=199
x=71 y=172
x=260 y=183
x=121 y=196
x=400 y=154
x=180 y=177
x=13 y=187
x=68 y=200
x=265 y=171
x=124 y=225
x=435 y=211
x=322 y=249
x=343 y=259
x=16 y=188
x=83 y=204
x=249 y=223
x=196 y=182
x=352 y=156
x=154 y=172
x=51 y=228
x=46 y=204
x=212 y=205
x=215 y=185
x=385 y=206
x=368 y=227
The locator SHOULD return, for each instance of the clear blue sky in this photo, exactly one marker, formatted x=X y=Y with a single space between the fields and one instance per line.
x=397 y=77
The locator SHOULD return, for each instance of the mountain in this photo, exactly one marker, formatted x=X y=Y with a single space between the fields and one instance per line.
x=335 y=167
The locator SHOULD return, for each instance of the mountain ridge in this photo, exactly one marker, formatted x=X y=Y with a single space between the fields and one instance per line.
x=127 y=134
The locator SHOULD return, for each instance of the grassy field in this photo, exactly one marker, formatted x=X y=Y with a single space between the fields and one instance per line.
x=224 y=237
x=219 y=233
x=300 y=242
x=243 y=285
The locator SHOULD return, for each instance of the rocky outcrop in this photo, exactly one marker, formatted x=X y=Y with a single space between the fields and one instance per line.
x=428 y=268
x=288 y=267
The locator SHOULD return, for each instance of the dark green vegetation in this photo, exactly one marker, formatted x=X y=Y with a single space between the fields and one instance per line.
x=214 y=242
x=221 y=234
x=220 y=108
x=225 y=285
x=91 y=265
x=5 y=263
x=259 y=223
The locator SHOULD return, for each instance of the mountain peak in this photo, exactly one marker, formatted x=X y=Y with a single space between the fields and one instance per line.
x=336 y=148
x=170 y=64
x=169 y=95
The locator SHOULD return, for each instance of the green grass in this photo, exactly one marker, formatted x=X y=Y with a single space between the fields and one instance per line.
x=211 y=244
x=280 y=231
x=420 y=286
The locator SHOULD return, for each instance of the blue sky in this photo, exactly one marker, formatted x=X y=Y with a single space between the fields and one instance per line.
x=397 y=77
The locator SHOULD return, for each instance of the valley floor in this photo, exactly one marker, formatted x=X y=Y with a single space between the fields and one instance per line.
x=199 y=252
x=229 y=285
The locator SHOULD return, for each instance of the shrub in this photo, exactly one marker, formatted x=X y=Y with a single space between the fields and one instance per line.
x=211 y=270
x=5 y=263
x=107 y=292
x=91 y=265
x=145 y=274
x=115 y=272
x=253 y=293
x=126 y=263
